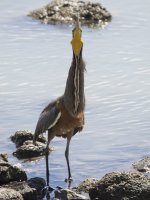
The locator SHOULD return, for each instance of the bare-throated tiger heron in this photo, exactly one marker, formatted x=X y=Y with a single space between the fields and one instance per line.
x=65 y=116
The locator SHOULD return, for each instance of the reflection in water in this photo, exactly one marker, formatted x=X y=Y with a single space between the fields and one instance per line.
x=34 y=159
x=33 y=71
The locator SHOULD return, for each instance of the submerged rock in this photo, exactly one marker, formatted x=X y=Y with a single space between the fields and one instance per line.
x=24 y=189
x=142 y=165
x=21 y=136
x=10 y=173
x=65 y=11
x=121 y=186
x=9 y=194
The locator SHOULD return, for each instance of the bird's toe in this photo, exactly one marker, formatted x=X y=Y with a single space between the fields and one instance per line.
x=68 y=180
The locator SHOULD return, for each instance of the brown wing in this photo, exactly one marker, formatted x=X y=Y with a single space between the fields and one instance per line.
x=48 y=118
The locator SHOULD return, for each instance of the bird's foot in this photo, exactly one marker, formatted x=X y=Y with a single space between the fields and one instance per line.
x=48 y=189
x=68 y=180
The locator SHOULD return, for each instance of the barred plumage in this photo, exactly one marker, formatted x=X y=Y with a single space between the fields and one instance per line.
x=65 y=116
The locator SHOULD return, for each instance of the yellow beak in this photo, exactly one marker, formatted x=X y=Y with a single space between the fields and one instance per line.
x=77 y=39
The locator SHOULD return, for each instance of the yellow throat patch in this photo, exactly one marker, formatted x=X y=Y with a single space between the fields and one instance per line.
x=77 y=41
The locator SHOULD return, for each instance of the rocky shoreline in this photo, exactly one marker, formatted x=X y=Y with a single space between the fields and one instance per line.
x=14 y=184
x=65 y=12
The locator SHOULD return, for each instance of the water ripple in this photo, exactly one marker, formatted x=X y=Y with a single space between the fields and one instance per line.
x=35 y=59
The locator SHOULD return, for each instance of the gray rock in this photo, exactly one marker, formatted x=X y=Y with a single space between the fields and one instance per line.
x=59 y=11
x=142 y=165
x=39 y=184
x=9 y=194
x=121 y=186
x=29 y=150
x=24 y=189
x=67 y=194
x=86 y=185
x=11 y=173
x=21 y=136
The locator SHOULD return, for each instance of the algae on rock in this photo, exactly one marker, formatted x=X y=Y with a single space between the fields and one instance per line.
x=65 y=12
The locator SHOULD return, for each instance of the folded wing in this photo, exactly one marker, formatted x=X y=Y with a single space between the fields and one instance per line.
x=48 y=118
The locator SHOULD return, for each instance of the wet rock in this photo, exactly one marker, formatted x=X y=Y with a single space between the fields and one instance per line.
x=142 y=165
x=39 y=184
x=24 y=189
x=21 y=136
x=121 y=186
x=9 y=194
x=29 y=150
x=58 y=11
x=86 y=185
x=10 y=173
x=3 y=157
x=68 y=194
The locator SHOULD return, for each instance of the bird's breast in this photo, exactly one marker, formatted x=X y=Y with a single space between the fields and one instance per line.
x=68 y=123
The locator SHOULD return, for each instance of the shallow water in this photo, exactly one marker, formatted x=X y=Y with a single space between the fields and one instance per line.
x=34 y=62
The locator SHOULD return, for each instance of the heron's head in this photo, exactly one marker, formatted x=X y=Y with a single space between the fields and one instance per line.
x=77 y=39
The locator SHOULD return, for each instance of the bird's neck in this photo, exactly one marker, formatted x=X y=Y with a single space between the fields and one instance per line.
x=74 y=99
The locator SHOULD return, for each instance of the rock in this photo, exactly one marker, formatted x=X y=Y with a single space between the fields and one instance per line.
x=24 y=189
x=142 y=165
x=21 y=136
x=39 y=184
x=30 y=150
x=11 y=173
x=68 y=194
x=121 y=186
x=86 y=185
x=3 y=157
x=9 y=194
x=26 y=149
x=58 y=11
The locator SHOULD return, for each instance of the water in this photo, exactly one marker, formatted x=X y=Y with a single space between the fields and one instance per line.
x=34 y=62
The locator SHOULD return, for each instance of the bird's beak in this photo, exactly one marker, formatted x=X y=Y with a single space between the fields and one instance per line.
x=77 y=39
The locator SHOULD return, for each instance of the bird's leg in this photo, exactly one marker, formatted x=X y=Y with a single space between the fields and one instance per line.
x=50 y=137
x=47 y=188
x=47 y=164
x=67 y=158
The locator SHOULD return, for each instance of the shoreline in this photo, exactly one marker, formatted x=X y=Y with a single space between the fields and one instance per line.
x=15 y=184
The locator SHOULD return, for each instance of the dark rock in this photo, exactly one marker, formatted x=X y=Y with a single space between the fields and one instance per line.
x=68 y=194
x=121 y=186
x=21 y=136
x=66 y=12
x=24 y=189
x=142 y=165
x=39 y=184
x=9 y=194
x=11 y=173
x=30 y=150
